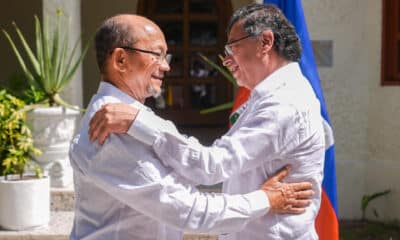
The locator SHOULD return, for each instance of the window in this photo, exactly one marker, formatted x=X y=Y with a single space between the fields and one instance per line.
x=191 y=27
x=391 y=43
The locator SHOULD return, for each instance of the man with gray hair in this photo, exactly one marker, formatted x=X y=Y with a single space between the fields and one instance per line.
x=122 y=189
x=280 y=124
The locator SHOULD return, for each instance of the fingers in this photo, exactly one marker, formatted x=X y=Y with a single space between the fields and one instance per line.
x=305 y=194
x=301 y=203
x=300 y=186
x=96 y=124
x=111 y=118
x=281 y=173
x=295 y=202
x=102 y=136
x=94 y=127
x=293 y=210
x=297 y=206
x=98 y=132
x=294 y=206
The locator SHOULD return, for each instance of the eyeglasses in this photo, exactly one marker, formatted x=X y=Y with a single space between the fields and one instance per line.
x=228 y=48
x=159 y=56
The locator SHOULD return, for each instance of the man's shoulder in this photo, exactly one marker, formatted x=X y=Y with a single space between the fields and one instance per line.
x=99 y=100
x=287 y=108
x=277 y=106
x=81 y=147
x=296 y=96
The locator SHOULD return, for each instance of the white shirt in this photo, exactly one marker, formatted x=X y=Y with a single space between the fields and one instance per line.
x=280 y=124
x=124 y=192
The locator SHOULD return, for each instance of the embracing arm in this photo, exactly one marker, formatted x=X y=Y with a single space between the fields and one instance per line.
x=155 y=191
x=257 y=140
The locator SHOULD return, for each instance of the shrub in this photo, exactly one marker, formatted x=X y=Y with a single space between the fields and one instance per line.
x=16 y=143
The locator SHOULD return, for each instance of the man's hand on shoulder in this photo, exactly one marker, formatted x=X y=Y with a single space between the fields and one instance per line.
x=292 y=198
x=111 y=118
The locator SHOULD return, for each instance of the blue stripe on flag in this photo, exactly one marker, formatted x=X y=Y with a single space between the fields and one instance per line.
x=293 y=10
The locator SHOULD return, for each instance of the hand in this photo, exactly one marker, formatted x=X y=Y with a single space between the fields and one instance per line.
x=111 y=118
x=287 y=197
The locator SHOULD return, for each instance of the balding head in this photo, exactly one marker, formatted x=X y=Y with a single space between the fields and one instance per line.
x=121 y=30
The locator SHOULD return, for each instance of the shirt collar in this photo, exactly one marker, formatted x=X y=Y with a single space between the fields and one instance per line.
x=276 y=80
x=108 y=89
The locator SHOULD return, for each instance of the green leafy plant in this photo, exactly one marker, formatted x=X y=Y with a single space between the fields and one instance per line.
x=228 y=75
x=18 y=86
x=52 y=66
x=366 y=199
x=16 y=143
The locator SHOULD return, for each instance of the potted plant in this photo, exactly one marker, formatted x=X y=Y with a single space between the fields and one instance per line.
x=24 y=199
x=49 y=70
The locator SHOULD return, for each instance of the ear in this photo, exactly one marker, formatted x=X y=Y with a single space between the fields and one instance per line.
x=119 y=60
x=267 y=39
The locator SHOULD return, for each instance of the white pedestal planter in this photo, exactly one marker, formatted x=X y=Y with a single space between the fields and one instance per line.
x=53 y=129
x=24 y=203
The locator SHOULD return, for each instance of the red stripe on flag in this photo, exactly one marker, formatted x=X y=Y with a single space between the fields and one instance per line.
x=241 y=97
x=326 y=223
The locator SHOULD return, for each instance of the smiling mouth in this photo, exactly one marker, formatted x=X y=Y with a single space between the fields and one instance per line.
x=158 y=77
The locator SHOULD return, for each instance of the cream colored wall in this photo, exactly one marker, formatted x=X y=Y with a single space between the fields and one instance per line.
x=364 y=115
x=20 y=11
x=93 y=13
x=346 y=91
x=383 y=168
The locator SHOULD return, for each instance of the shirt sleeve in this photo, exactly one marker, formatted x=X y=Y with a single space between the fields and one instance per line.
x=147 y=126
x=147 y=186
x=261 y=137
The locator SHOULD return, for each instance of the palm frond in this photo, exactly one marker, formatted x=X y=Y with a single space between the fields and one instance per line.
x=21 y=61
x=27 y=49
x=221 y=107
x=52 y=65
x=228 y=75
x=39 y=49
x=221 y=70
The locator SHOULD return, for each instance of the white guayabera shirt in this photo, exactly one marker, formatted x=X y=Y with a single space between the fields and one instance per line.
x=280 y=124
x=124 y=192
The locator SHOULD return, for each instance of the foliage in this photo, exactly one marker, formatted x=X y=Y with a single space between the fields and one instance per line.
x=228 y=75
x=355 y=230
x=366 y=199
x=53 y=65
x=16 y=143
x=18 y=86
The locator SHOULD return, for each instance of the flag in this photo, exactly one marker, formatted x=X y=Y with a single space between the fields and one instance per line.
x=327 y=220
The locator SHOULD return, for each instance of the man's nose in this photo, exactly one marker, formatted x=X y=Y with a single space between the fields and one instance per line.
x=165 y=66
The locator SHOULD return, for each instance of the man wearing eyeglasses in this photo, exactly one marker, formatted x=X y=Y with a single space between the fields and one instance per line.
x=279 y=124
x=122 y=189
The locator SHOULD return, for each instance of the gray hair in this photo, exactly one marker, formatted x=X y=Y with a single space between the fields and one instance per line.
x=261 y=17
x=111 y=34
